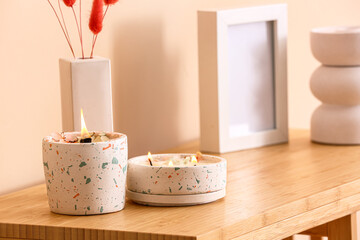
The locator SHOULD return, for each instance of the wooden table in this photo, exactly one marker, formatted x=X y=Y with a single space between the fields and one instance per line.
x=272 y=193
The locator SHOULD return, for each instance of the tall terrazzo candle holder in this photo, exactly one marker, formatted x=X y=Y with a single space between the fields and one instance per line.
x=176 y=185
x=86 y=178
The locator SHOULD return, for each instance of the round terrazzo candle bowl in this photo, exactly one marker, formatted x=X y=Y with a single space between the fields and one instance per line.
x=176 y=185
x=86 y=178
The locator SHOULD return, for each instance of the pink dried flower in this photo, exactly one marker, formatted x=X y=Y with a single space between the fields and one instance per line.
x=110 y=2
x=69 y=3
x=96 y=16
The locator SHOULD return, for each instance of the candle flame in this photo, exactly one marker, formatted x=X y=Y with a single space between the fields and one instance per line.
x=150 y=158
x=199 y=156
x=84 y=131
x=171 y=163
x=193 y=159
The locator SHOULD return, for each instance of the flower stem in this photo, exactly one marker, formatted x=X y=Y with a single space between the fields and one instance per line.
x=62 y=16
x=78 y=28
x=62 y=28
x=107 y=7
x=93 y=45
x=82 y=45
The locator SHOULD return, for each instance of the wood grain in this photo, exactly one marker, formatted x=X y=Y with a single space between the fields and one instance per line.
x=340 y=229
x=272 y=193
x=319 y=231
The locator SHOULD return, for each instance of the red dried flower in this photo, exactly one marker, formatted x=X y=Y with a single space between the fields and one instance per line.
x=96 y=16
x=110 y=2
x=69 y=3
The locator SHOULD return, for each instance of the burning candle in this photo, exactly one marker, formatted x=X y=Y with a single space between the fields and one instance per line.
x=150 y=158
x=85 y=172
x=85 y=136
x=176 y=179
x=193 y=160
x=174 y=160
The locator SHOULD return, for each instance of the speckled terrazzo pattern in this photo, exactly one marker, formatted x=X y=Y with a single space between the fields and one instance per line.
x=85 y=179
x=176 y=180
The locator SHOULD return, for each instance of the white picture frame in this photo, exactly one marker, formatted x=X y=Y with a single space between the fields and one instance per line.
x=242 y=68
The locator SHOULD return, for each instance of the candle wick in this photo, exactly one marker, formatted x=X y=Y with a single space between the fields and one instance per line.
x=150 y=161
x=86 y=140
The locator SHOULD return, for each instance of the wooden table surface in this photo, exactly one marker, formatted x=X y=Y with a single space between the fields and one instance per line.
x=272 y=192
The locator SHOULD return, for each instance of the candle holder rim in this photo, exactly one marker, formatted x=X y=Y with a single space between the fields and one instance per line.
x=121 y=135
x=221 y=160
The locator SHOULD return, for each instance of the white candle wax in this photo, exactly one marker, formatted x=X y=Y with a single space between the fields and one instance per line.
x=176 y=161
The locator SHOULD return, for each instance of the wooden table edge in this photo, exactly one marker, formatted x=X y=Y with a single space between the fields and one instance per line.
x=41 y=232
x=339 y=194
x=334 y=210
x=344 y=195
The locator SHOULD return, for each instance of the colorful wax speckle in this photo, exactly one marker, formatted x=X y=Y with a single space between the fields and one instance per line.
x=82 y=164
x=109 y=146
x=46 y=165
x=103 y=166
x=88 y=180
x=115 y=161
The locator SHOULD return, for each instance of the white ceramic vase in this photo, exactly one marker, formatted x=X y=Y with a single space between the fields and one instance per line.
x=86 y=178
x=86 y=84
x=336 y=83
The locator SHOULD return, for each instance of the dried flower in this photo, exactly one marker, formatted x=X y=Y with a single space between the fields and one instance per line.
x=110 y=2
x=69 y=3
x=96 y=16
x=95 y=23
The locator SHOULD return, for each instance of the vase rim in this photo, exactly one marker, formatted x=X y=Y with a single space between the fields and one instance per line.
x=79 y=60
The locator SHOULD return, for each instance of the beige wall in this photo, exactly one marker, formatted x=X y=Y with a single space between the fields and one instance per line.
x=153 y=48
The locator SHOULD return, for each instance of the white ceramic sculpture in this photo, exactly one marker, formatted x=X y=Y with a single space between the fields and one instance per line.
x=337 y=85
